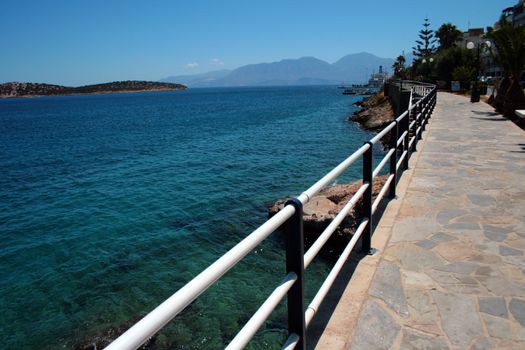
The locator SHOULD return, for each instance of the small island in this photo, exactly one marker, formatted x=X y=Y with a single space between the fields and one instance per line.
x=15 y=89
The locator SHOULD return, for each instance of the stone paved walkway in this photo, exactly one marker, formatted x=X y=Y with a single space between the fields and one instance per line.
x=452 y=275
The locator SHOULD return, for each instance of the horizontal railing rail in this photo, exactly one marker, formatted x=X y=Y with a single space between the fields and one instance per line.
x=404 y=131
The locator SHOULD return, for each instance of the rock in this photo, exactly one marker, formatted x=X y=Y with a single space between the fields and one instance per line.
x=376 y=113
x=323 y=208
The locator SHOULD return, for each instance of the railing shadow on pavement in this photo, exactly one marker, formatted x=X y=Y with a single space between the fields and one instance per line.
x=404 y=131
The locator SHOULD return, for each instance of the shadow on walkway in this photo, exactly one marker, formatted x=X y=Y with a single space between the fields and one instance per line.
x=320 y=321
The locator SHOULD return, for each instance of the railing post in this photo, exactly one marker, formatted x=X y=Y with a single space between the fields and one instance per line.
x=425 y=116
x=421 y=120
x=366 y=238
x=414 y=128
x=394 y=135
x=434 y=98
x=406 y=142
x=294 y=238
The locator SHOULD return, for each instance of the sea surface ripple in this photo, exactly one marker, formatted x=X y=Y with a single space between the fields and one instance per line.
x=110 y=203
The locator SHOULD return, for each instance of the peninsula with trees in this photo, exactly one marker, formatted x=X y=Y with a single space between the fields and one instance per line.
x=15 y=89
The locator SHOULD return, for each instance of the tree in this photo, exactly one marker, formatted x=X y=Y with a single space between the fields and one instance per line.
x=425 y=44
x=509 y=42
x=447 y=60
x=447 y=35
x=399 y=67
x=463 y=74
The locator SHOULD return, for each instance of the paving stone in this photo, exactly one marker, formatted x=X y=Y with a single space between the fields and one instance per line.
x=517 y=309
x=421 y=302
x=455 y=250
x=444 y=217
x=484 y=344
x=442 y=237
x=514 y=260
x=494 y=306
x=484 y=271
x=521 y=233
x=462 y=267
x=460 y=226
x=499 y=285
x=466 y=280
x=418 y=280
x=489 y=247
x=497 y=327
x=506 y=251
x=497 y=228
x=419 y=341
x=519 y=333
x=514 y=241
x=481 y=200
x=413 y=229
x=427 y=244
x=459 y=318
x=388 y=287
x=415 y=258
x=495 y=236
x=376 y=329
x=486 y=259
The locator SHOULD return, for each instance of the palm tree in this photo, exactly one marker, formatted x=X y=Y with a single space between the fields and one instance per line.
x=447 y=35
x=399 y=67
x=509 y=42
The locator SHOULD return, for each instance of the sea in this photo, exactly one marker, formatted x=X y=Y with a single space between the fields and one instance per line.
x=110 y=203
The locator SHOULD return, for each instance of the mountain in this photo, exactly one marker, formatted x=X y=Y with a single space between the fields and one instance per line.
x=355 y=68
x=358 y=67
x=200 y=80
x=15 y=89
x=286 y=72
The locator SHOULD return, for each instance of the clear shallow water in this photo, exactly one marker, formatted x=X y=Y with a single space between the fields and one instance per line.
x=110 y=203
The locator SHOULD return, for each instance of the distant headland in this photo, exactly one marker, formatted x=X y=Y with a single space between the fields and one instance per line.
x=15 y=89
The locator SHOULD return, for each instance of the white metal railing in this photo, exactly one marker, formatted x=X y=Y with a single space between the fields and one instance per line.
x=400 y=143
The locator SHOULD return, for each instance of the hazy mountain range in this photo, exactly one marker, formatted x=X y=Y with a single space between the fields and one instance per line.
x=354 y=68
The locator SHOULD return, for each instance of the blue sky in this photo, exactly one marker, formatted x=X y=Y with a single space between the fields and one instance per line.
x=83 y=42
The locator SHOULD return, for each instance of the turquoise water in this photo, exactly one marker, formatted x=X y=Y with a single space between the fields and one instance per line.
x=110 y=203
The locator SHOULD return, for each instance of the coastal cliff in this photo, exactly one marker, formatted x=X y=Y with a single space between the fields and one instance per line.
x=15 y=89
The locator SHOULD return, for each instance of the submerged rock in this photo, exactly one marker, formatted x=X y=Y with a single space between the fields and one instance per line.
x=104 y=338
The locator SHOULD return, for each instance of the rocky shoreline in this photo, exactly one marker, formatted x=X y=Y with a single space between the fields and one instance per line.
x=376 y=112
